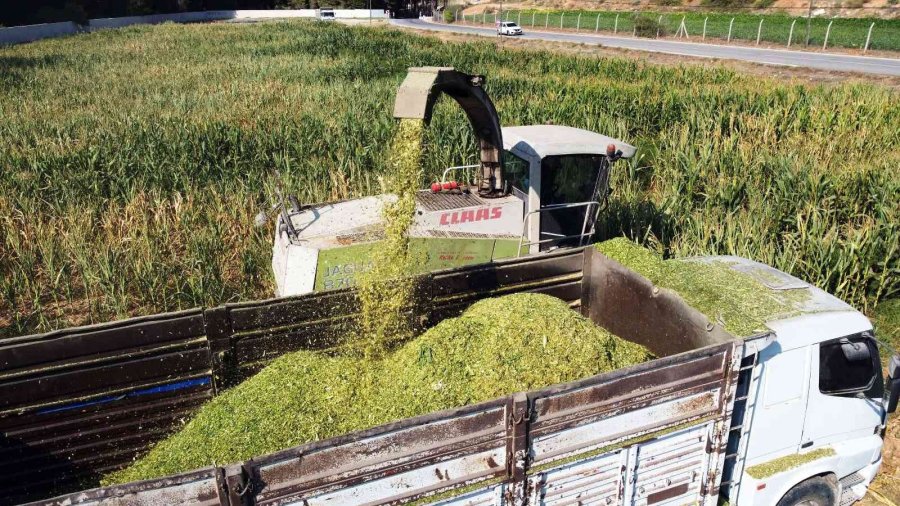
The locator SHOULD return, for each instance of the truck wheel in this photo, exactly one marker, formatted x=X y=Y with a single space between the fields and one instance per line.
x=816 y=491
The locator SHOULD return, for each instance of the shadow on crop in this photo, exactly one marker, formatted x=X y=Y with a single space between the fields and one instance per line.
x=639 y=221
x=15 y=70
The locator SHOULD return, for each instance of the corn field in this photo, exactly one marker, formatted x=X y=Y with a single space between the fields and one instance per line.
x=132 y=162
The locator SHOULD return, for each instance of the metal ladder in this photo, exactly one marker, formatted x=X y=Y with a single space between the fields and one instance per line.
x=738 y=434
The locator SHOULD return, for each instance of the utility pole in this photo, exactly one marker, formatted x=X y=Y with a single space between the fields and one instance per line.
x=809 y=21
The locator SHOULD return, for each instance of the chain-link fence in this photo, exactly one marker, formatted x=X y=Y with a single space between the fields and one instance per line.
x=789 y=31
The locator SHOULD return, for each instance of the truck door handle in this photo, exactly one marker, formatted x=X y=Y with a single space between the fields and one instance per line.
x=806 y=444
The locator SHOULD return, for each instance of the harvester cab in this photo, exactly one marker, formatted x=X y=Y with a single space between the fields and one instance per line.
x=536 y=188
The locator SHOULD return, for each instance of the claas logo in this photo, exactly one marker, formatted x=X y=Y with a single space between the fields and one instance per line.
x=486 y=213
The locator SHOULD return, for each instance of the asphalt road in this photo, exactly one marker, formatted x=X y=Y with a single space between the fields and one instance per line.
x=781 y=57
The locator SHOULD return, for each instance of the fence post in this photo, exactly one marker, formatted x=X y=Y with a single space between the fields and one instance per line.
x=868 y=37
x=578 y=23
x=759 y=31
x=809 y=21
x=704 y=26
x=519 y=19
x=532 y=18
x=484 y=17
x=791 y=33
x=731 y=24
x=827 y=33
x=562 y=16
x=597 y=24
x=546 y=20
x=658 y=25
x=616 y=26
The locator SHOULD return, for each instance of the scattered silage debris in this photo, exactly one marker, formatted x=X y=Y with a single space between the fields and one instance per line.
x=737 y=300
x=773 y=467
x=386 y=289
x=497 y=347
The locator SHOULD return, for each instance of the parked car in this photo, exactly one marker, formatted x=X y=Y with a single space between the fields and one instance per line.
x=326 y=15
x=509 y=28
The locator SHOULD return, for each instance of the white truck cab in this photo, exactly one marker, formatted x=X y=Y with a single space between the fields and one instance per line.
x=814 y=403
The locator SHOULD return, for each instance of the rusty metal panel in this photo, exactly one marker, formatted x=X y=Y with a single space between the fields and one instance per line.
x=593 y=480
x=394 y=463
x=78 y=402
x=672 y=469
x=197 y=488
x=252 y=316
x=567 y=290
x=60 y=348
x=629 y=305
x=607 y=410
x=508 y=273
x=493 y=495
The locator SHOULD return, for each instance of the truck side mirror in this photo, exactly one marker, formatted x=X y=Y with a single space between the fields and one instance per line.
x=894 y=384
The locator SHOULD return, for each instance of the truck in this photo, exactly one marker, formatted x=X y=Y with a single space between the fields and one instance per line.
x=792 y=413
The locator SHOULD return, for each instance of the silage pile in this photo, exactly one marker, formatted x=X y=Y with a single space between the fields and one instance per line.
x=497 y=347
x=736 y=300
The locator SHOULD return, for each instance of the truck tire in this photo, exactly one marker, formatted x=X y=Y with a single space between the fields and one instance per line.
x=817 y=491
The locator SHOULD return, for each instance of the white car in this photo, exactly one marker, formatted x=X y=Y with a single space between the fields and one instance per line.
x=509 y=28
x=326 y=15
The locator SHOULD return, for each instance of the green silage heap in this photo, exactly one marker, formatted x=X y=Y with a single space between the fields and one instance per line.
x=497 y=347
x=736 y=300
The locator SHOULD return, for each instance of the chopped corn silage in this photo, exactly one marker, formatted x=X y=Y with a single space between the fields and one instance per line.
x=739 y=302
x=386 y=289
x=497 y=347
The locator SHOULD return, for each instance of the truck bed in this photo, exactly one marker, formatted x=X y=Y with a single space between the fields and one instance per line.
x=651 y=434
x=84 y=401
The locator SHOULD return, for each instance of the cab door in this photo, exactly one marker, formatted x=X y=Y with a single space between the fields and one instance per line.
x=570 y=180
x=845 y=409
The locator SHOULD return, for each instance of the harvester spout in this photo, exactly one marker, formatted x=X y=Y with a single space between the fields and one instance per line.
x=418 y=94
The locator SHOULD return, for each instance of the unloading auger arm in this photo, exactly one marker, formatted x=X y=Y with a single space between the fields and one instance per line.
x=418 y=94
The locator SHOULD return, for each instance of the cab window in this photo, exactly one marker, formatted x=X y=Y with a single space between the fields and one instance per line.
x=515 y=170
x=848 y=366
x=569 y=179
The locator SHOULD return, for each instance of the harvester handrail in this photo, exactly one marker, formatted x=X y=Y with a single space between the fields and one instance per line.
x=553 y=207
x=456 y=167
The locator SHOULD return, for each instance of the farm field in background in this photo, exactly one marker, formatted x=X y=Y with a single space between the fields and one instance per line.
x=776 y=28
x=135 y=160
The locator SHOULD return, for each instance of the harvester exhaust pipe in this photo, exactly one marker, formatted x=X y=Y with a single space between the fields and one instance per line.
x=418 y=94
